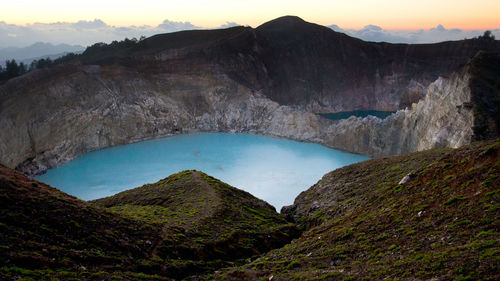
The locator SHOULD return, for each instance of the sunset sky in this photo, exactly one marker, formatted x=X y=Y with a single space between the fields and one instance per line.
x=390 y=14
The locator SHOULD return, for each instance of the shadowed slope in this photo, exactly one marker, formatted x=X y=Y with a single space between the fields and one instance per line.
x=207 y=219
x=44 y=230
x=368 y=221
x=186 y=224
x=485 y=100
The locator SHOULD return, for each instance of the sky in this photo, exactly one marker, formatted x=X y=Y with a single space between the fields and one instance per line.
x=25 y=22
x=353 y=14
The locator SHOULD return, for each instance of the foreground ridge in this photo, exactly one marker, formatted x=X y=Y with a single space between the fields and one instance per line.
x=427 y=215
x=183 y=225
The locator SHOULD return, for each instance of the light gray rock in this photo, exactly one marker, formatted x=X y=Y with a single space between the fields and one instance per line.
x=43 y=128
x=438 y=120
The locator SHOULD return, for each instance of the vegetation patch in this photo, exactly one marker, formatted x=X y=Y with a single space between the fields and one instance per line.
x=184 y=225
x=442 y=224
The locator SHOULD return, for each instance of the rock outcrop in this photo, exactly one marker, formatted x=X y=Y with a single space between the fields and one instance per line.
x=270 y=80
x=442 y=119
x=448 y=116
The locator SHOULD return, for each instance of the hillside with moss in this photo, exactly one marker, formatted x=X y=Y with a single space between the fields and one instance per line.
x=184 y=225
x=203 y=218
x=431 y=215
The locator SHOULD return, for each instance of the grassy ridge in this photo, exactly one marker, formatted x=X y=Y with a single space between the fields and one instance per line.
x=186 y=224
x=207 y=219
x=426 y=215
x=47 y=233
x=442 y=223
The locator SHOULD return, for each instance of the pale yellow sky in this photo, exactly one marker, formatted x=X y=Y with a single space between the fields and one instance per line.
x=389 y=14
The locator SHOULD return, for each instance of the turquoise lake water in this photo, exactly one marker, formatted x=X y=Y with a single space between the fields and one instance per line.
x=357 y=113
x=272 y=169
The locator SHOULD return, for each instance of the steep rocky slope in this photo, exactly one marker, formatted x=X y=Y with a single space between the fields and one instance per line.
x=186 y=224
x=269 y=80
x=313 y=68
x=431 y=215
x=456 y=110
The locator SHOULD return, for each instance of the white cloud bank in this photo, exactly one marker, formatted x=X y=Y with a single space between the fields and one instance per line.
x=83 y=33
x=86 y=33
x=437 y=34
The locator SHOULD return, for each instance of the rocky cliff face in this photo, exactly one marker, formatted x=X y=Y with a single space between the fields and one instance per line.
x=444 y=118
x=270 y=80
x=105 y=116
x=450 y=115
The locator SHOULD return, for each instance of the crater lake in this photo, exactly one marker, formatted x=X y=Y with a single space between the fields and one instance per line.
x=275 y=170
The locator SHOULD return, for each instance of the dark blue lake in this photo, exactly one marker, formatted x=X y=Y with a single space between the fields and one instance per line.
x=275 y=170
x=357 y=113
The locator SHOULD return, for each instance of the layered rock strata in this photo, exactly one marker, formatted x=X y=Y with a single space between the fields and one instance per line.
x=106 y=117
x=270 y=80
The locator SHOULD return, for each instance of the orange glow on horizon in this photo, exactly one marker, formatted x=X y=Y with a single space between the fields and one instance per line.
x=388 y=14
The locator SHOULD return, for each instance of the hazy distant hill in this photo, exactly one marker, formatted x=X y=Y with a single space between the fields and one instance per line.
x=436 y=34
x=37 y=51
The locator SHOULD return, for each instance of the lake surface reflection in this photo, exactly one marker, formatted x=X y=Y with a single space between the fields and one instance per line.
x=275 y=170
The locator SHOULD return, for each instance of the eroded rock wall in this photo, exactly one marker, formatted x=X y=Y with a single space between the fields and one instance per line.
x=110 y=112
x=270 y=80
x=444 y=118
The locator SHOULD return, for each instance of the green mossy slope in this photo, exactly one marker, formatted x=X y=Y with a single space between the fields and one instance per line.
x=362 y=224
x=45 y=233
x=203 y=218
x=430 y=215
x=184 y=225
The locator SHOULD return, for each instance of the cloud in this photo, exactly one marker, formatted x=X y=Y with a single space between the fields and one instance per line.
x=86 y=33
x=170 y=26
x=124 y=29
x=437 y=34
x=83 y=33
x=229 y=24
x=336 y=28
x=90 y=24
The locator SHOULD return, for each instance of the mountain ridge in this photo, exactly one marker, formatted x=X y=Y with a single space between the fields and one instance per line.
x=36 y=51
x=232 y=80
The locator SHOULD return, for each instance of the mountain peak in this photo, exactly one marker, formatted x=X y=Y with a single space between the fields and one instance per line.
x=286 y=21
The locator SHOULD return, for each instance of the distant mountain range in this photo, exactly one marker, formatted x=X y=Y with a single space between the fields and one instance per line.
x=86 y=33
x=436 y=34
x=37 y=51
